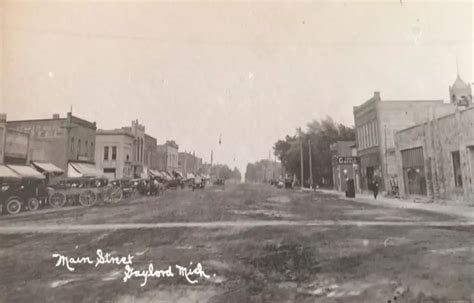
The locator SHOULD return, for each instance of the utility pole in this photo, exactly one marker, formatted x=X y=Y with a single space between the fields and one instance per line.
x=310 y=166
x=301 y=163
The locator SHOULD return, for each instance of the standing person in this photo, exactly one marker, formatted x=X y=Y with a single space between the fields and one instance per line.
x=375 y=187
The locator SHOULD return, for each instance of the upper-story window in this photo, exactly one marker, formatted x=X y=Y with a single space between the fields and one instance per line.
x=79 y=146
x=106 y=153
x=72 y=144
x=114 y=152
x=86 y=145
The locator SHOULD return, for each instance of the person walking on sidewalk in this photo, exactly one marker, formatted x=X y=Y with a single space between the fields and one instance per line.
x=375 y=187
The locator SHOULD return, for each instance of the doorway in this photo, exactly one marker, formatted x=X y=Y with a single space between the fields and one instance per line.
x=370 y=176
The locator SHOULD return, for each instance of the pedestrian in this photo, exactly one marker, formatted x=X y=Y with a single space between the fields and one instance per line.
x=375 y=188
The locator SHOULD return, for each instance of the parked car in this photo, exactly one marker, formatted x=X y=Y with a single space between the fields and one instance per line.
x=22 y=193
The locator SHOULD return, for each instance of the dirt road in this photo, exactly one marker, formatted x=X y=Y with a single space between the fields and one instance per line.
x=254 y=243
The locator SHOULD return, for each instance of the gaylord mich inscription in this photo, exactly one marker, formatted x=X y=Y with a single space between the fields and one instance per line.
x=191 y=273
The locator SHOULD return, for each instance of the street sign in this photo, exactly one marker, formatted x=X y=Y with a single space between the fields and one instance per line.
x=347 y=160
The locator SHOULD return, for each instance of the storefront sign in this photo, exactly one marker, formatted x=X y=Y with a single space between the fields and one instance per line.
x=347 y=160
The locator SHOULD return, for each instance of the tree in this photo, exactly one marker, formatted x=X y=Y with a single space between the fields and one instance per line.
x=320 y=134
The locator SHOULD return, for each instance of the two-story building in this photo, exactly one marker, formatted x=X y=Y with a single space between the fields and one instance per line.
x=121 y=153
x=376 y=122
x=168 y=156
x=67 y=143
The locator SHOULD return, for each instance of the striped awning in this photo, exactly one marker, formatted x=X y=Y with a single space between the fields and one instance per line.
x=78 y=169
x=5 y=172
x=47 y=167
x=26 y=171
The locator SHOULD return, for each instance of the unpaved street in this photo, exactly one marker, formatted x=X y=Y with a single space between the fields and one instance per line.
x=256 y=243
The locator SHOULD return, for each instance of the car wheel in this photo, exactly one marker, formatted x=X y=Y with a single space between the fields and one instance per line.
x=57 y=199
x=87 y=198
x=33 y=204
x=13 y=206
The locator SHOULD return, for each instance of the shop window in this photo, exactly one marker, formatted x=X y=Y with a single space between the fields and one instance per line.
x=457 y=168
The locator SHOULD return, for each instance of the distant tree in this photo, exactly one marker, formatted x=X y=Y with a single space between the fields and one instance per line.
x=320 y=134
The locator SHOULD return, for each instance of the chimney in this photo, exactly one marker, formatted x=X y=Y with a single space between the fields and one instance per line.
x=55 y=116
x=377 y=95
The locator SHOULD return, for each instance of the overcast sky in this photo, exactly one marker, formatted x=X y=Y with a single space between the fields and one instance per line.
x=250 y=71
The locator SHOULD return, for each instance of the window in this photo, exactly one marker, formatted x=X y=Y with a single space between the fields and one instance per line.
x=72 y=144
x=114 y=152
x=79 y=146
x=106 y=153
x=370 y=134
x=457 y=169
x=376 y=131
x=92 y=149
x=87 y=148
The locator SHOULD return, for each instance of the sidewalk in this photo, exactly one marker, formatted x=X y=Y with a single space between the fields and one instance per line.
x=459 y=210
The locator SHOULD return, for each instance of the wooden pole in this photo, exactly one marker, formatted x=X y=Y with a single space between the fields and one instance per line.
x=301 y=164
x=310 y=166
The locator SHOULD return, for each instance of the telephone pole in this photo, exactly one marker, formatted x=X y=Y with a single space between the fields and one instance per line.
x=301 y=163
x=310 y=166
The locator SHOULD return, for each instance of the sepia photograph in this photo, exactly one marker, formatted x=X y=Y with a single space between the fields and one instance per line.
x=208 y=151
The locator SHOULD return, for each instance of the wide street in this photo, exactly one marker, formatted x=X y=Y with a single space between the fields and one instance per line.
x=256 y=243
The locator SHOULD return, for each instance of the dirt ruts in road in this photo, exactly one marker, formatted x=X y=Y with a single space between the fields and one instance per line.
x=50 y=228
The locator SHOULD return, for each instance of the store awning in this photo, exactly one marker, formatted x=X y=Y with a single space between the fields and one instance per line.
x=5 y=172
x=47 y=167
x=189 y=176
x=155 y=173
x=166 y=175
x=78 y=169
x=26 y=171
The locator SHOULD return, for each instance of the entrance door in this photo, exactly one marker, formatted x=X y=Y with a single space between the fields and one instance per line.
x=370 y=176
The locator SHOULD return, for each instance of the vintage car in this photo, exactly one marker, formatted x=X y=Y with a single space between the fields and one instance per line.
x=21 y=188
x=83 y=190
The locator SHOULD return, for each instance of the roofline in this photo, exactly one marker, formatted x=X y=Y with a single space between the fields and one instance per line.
x=102 y=132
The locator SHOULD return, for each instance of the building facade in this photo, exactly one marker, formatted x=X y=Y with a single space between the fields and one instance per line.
x=14 y=144
x=188 y=163
x=60 y=141
x=376 y=122
x=123 y=152
x=115 y=153
x=151 y=154
x=168 y=156
x=436 y=158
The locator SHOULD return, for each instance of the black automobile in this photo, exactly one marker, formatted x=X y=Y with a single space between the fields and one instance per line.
x=22 y=193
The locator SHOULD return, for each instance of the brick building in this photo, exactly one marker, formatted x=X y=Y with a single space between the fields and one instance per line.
x=168 y=156
x=13 y=144
x=68 y=143
x=188 y=163
x=151 y=154
x=436 y=158
x=376 y=122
